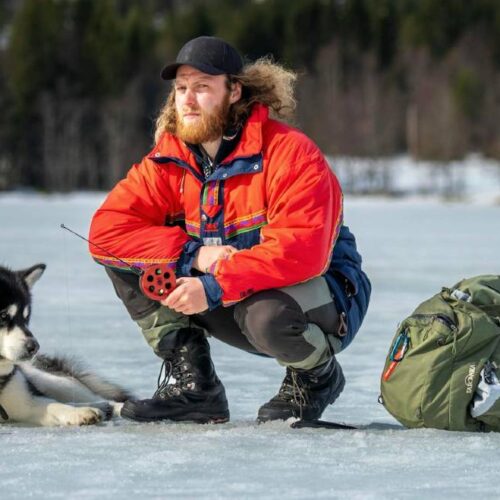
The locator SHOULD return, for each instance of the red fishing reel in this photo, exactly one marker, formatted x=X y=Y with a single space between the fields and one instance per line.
x=157 y=281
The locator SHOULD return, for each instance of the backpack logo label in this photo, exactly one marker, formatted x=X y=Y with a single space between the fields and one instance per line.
x=469 y=379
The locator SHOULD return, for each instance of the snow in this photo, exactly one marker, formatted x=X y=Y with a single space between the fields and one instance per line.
x=473 y=179
x=410 y=248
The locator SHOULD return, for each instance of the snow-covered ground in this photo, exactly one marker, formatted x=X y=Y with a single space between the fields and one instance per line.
x=410 y=249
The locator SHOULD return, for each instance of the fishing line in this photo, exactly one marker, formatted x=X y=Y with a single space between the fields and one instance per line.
x=68 y=306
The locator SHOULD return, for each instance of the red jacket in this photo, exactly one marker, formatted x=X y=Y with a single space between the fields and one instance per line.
x=274 y=198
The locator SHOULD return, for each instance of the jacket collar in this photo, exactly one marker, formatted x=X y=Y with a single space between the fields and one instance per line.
x=251 y=139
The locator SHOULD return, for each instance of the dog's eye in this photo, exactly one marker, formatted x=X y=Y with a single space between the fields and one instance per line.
x=4 y=317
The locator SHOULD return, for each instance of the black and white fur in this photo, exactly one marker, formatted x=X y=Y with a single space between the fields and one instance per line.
x=43 y=390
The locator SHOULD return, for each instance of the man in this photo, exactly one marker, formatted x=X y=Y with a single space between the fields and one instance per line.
x=248 y=213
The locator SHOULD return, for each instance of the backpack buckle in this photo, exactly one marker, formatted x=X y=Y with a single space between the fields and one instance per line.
x=400 y=347
x=398 y=352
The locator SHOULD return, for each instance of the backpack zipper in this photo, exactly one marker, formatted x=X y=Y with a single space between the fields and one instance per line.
x=447 y=321
x=442 y=318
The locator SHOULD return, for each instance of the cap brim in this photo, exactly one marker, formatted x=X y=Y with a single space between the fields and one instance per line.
x=170 y=71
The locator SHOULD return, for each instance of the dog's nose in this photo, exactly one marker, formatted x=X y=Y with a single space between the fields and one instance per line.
x=32 y=346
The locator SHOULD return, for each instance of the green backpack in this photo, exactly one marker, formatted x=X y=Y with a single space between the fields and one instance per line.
x=441 y=368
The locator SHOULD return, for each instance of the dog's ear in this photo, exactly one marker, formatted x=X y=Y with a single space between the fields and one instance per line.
x=32 y=274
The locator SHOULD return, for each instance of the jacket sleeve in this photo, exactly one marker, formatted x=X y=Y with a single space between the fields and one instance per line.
x=130 y=224
x=304 y=217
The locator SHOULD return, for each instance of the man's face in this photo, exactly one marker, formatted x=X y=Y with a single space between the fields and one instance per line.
x=202 y=104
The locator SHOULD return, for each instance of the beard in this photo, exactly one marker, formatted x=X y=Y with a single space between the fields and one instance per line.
x=210 y=126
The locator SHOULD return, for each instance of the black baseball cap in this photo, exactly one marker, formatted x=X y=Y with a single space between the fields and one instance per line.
x=208 y=54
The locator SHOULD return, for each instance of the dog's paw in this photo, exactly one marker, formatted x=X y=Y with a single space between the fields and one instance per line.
x=64 y=415
x=106 y=408
x=87 y=416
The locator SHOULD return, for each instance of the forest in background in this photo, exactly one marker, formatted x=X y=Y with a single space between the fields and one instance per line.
x=80 y=85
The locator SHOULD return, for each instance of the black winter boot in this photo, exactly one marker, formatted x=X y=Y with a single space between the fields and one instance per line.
x=197 y=395
x=305 y=394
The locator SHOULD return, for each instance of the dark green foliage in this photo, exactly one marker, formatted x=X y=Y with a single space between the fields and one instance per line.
x=93 y=53
x=468 y=92
x=138 y=42
x=31 y=63
x=437 y=25
x=102 y=49
x=259 y=31
x=355 y=23
x=181 y=25
x=3 y=15
x=308 y=26
x=385 y=28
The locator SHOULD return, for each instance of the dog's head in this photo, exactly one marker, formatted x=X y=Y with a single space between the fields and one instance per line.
x=16 y=341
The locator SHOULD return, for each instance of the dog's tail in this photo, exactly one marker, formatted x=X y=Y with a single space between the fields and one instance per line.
x=74 y=368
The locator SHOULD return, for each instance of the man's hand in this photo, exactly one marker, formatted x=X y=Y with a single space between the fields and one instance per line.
x=207 y=255
x=188 y=297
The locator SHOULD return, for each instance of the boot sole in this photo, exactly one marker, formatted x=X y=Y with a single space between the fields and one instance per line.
x=196 y=417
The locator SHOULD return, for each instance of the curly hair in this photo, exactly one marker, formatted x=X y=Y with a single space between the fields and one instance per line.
x=262 y=81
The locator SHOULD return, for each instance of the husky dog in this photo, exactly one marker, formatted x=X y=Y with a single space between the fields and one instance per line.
x=37 y=390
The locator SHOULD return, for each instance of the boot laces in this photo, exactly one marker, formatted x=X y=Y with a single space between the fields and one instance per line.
x=165 y=371
x=180 y=370
x=294 y=390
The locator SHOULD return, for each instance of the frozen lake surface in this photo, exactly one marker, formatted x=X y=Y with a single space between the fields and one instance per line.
x=410 y=250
